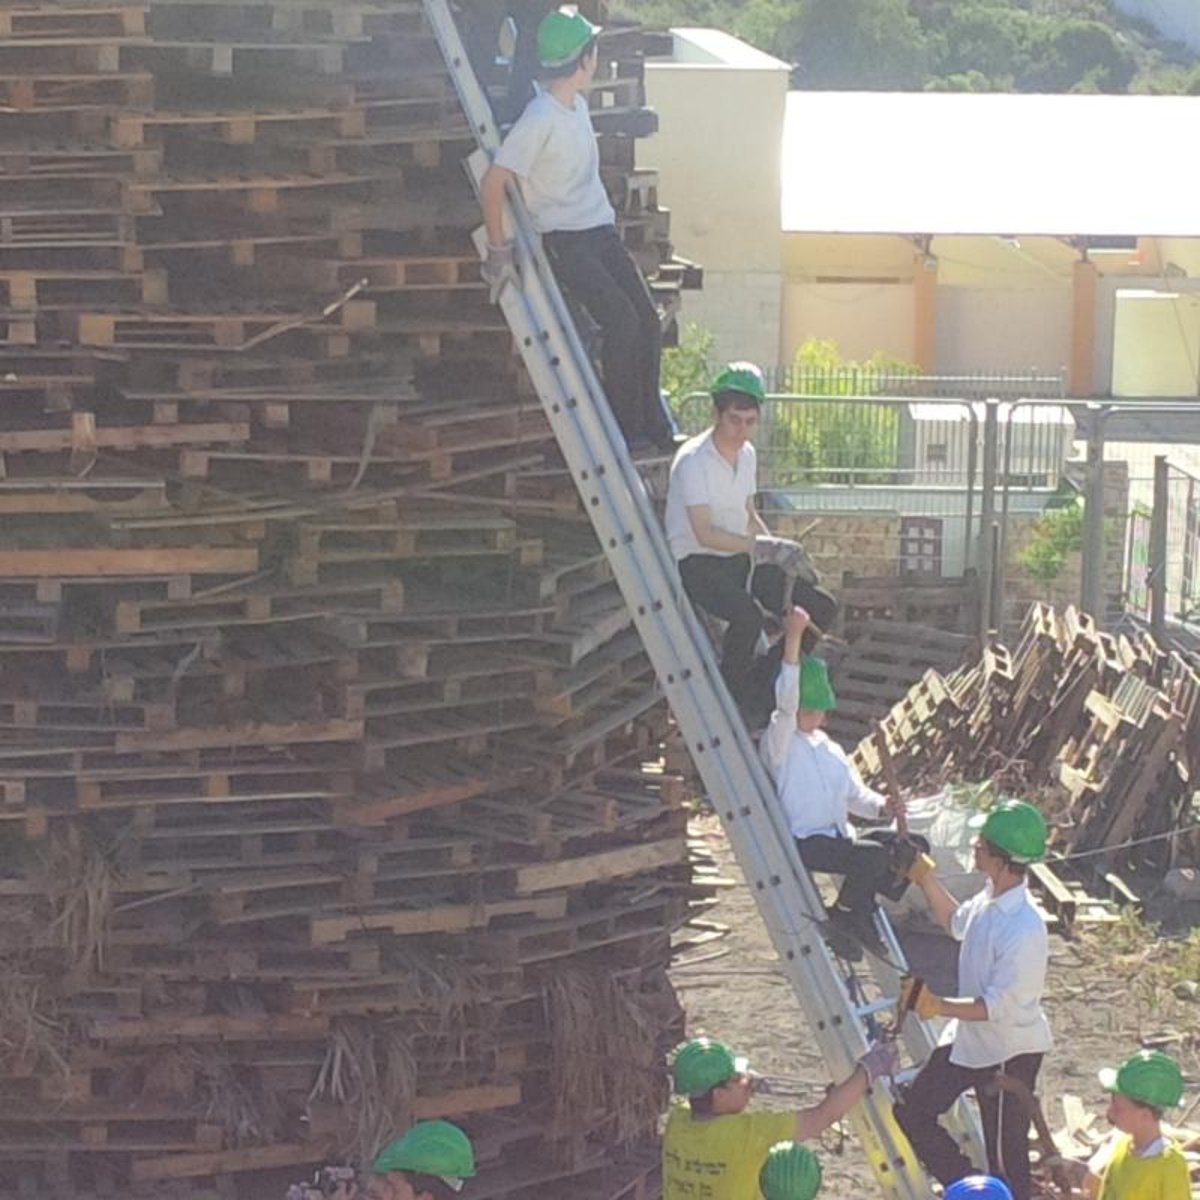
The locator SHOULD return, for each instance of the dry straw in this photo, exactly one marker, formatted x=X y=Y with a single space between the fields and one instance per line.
x=31 y=1035
x=370 y=1073
x=83 y=883
x=605 y=1062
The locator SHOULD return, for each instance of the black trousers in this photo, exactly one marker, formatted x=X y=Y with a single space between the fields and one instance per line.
x=597 y=272
x=1005 y=1122
x=717 y=584
x=865 y=867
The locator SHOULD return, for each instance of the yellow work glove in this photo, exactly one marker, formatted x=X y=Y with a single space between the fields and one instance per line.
x=921 y=866
x=914 y=995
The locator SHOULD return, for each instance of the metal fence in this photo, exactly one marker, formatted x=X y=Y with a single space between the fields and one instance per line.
x=918 y=457
x=955 y=461
x=1164 y=553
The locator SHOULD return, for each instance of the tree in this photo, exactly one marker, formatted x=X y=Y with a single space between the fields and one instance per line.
x=686 y=370
x=1057 y=533
x=838 y=441
x=871 y=44
x=948 y=45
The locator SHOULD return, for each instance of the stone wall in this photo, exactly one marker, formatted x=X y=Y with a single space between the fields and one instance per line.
x=864 y=544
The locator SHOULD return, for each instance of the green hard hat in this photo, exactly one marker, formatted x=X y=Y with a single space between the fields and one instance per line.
x=562 y=35
x=1148 y=1076
x=430 y=1148
x=815 y=691
x=742 y=377
x=791 y=1172
x=1016 y=828
x=702 y=1064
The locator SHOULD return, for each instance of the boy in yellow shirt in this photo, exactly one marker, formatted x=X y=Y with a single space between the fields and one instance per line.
x=1141 y=1163
x=713 y=1148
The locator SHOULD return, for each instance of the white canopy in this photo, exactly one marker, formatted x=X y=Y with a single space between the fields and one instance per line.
x=964 y=163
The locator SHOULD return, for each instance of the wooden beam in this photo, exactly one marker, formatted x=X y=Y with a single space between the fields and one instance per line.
x=82 y=564
x=596 y=868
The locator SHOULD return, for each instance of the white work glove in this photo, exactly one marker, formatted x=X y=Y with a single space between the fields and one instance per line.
x=881 y=1059
x=789 y=556
x=499 y=269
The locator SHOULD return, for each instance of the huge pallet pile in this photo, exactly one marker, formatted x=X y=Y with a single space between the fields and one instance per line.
x=1103 y=729
x=324 y=796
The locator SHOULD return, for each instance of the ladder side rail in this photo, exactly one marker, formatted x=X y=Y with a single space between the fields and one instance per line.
x=678 y=646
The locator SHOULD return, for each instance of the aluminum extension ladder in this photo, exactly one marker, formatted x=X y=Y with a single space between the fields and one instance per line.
x=615 y=499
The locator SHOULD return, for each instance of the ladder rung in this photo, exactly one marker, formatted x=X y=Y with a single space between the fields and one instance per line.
x=885 y=1002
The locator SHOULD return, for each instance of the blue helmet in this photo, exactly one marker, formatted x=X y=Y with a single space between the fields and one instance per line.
x=978 y=1187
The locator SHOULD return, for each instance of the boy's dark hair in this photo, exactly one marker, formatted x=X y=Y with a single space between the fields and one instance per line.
x=437 y=1188
x=1019 y=869
x=568 y=68
x=723 y=401
x=702 y=1105
x=1151 y=1108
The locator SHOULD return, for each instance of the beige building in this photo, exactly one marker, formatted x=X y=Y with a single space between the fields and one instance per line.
x=966 y=233
x=722 y=106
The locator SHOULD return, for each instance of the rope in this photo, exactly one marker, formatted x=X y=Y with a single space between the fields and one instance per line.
x=1155 y=837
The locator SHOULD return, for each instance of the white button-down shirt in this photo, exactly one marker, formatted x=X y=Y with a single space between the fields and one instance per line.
x=1002 y=961
x=701 y=474
x=814 y=780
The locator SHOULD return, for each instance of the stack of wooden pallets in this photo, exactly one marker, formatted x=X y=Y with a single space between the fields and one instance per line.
x=1104 y=729
x=328 y=792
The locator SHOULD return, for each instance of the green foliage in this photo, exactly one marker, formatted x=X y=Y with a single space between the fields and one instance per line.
x=688 y=367
x=948 y=45
x=1056 y=534
x=836 y=442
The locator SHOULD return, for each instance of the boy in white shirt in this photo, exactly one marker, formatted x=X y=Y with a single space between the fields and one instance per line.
x=552 y=150
x=819 y=789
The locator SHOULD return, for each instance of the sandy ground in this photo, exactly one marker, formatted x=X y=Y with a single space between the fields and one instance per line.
x=1104 y=996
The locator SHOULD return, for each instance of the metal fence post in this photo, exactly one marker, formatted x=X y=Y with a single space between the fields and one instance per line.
x=1092 y=585
x=987 y=509
x=1159 y=580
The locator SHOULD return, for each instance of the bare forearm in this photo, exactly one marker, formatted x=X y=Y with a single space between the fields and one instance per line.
x=791 y=648
x=942 y=905
x=713 y=538
x=811 y=1122
x=491 y=198
x=961 y=1009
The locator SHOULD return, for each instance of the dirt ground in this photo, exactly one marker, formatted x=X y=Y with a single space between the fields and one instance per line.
x=1109 y=990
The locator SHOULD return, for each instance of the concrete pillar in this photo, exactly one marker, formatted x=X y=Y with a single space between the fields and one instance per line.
x=925 y=283
x=1081 y=380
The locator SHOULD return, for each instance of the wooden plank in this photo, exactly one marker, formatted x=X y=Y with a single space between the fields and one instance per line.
x=596 y=868
x=69 y=562
x=444 y=918
x=254 y=1158
x=253 y=734
x=164 y=1030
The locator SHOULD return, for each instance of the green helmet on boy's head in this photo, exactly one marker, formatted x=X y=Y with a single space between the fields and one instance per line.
x=791 y=1172
x=703 y=1064
x=562 y=36
x=743 y=377
x=429 y=1148
x=815 y=690
x=1014 y=827
x=1149 y=1077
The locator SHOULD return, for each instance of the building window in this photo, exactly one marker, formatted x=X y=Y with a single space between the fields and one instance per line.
x=937 y=454
x=921 y=545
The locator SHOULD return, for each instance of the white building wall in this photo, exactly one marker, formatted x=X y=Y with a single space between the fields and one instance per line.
x=1009 y=330
x=1156 y=344
x=718 y=152
x=742 y=309
x=863 y=318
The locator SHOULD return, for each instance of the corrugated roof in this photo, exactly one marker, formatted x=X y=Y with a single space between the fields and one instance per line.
x=935 y=162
